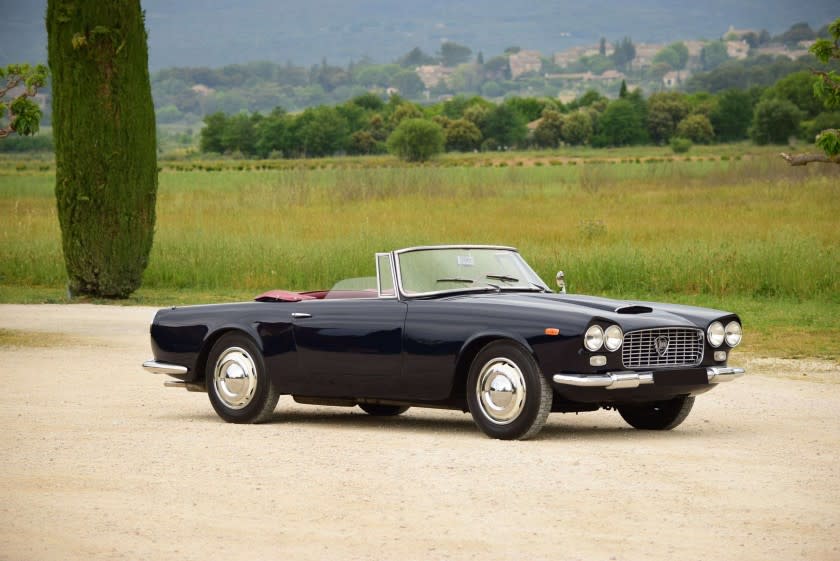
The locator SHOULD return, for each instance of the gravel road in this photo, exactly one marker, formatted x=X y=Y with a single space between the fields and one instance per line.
x=100 y=461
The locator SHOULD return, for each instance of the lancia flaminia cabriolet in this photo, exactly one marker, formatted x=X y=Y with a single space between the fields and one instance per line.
x=464 y=327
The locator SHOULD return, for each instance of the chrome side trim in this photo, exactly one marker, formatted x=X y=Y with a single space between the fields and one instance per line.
x=719 y=374
x=156 y=367
x=302 y=315
x=610 y=381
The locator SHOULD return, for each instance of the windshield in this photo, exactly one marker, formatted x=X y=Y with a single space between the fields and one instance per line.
x=432 y=270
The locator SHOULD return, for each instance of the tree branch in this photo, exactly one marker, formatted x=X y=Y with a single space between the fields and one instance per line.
x=804 y=159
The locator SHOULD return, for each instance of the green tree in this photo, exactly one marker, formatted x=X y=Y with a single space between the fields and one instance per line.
x=453 y=54
x=665 y=110
x=104 y=129
x=369 y=101
x=416 y=140
x=408 y=84
x=210 y=139
x=798 y=88
x=321 y=131
x=696 y=128
x=273 y=133
x=405 y=110
x=624 y=53
x=363 y=142
x=18 y=113
x=414 y=58
x=462 y=135
x=239 y=135
x=577 y=128
x=505 y=126
x=621 y=124
x=827 y=89
x=674 y=55
x=774 y=121
x=531 y=108
x=713 y=55
x=797 y=32
x=549 y=131
x=732 y=116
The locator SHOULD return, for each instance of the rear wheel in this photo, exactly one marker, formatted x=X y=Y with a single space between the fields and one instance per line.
x=237 y=382
x=379 y=410
x=657 y=415
x=508 y=396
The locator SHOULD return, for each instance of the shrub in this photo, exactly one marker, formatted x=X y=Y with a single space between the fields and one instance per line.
x=416 y=140
x=696 y=128
x=680 y=145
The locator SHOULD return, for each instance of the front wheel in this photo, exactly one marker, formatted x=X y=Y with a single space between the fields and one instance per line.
x=237 y=383
x=508 y=396
x=657 y=415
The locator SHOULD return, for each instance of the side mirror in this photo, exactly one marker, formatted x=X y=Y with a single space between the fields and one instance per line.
x=561 y=281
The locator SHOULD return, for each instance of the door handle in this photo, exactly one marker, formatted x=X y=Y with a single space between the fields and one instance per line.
x=301 y=315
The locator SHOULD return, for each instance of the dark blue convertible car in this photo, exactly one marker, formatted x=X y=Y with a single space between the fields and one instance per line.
x=464 y=327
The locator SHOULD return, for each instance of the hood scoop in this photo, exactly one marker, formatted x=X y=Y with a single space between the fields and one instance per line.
x=633 y=310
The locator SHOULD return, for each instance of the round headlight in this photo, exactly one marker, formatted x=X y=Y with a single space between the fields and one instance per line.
x=716 y=334
x=733 y=333
x=593 y=339
x=613 y=337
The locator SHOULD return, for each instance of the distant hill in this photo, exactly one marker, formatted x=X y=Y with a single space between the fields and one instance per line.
x=219 y=32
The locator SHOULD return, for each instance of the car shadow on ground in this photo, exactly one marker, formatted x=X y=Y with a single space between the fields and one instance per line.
x=349 y=419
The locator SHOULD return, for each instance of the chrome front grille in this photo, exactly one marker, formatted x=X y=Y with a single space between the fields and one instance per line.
x=646 y=348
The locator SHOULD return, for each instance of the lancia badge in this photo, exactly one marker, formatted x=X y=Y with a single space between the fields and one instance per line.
x=661 y=345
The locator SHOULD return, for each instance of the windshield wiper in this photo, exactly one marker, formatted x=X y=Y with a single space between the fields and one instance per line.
x=504 y=278
x=455 y=279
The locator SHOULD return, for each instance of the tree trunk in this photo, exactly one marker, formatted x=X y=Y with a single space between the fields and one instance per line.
x=104 y=131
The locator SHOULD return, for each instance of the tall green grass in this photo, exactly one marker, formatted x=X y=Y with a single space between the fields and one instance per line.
x=749 y=227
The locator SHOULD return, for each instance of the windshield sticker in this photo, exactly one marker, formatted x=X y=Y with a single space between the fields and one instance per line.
x=466 y=261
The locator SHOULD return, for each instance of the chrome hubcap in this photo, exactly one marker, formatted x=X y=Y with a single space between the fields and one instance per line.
x=501 y=391
x=235 y=378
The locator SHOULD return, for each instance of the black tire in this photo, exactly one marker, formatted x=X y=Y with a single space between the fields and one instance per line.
x=379 y=410
x=520 y=400
x=237 y=382
x=657 y=415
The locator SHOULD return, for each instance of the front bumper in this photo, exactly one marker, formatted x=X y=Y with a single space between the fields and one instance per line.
x=628 y=379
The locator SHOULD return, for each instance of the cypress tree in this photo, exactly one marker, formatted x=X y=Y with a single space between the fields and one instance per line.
x=104 y=132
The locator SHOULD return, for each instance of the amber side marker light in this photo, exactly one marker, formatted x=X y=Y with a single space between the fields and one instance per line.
x=552 y=331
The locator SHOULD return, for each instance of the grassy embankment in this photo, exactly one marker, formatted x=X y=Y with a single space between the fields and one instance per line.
x=748 y=234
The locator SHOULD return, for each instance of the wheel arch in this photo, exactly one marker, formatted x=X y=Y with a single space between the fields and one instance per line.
x=211 y=340
x=471 y=348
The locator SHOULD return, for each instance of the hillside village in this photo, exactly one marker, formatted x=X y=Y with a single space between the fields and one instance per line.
x=186 y=95
x=641 y=70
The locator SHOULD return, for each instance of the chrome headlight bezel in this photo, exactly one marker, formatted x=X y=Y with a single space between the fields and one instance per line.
x=716 y=334
x=733 y=333
x=593 y=339
x=613 y=338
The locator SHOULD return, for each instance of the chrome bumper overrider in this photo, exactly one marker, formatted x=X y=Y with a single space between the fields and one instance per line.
x=630 y=379
x=156 y=367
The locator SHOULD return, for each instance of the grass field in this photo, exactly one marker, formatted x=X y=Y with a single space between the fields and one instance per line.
x=748 y=234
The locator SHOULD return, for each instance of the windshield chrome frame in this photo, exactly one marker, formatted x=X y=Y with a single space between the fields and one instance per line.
x=379 y=294
x=395 y=266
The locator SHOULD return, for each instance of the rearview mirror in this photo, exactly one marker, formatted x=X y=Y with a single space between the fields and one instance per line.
x=561 y=281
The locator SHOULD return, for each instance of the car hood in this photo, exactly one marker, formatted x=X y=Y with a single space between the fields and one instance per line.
x=629 y=314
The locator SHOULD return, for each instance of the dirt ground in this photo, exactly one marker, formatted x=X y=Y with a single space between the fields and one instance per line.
x=100 y=461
